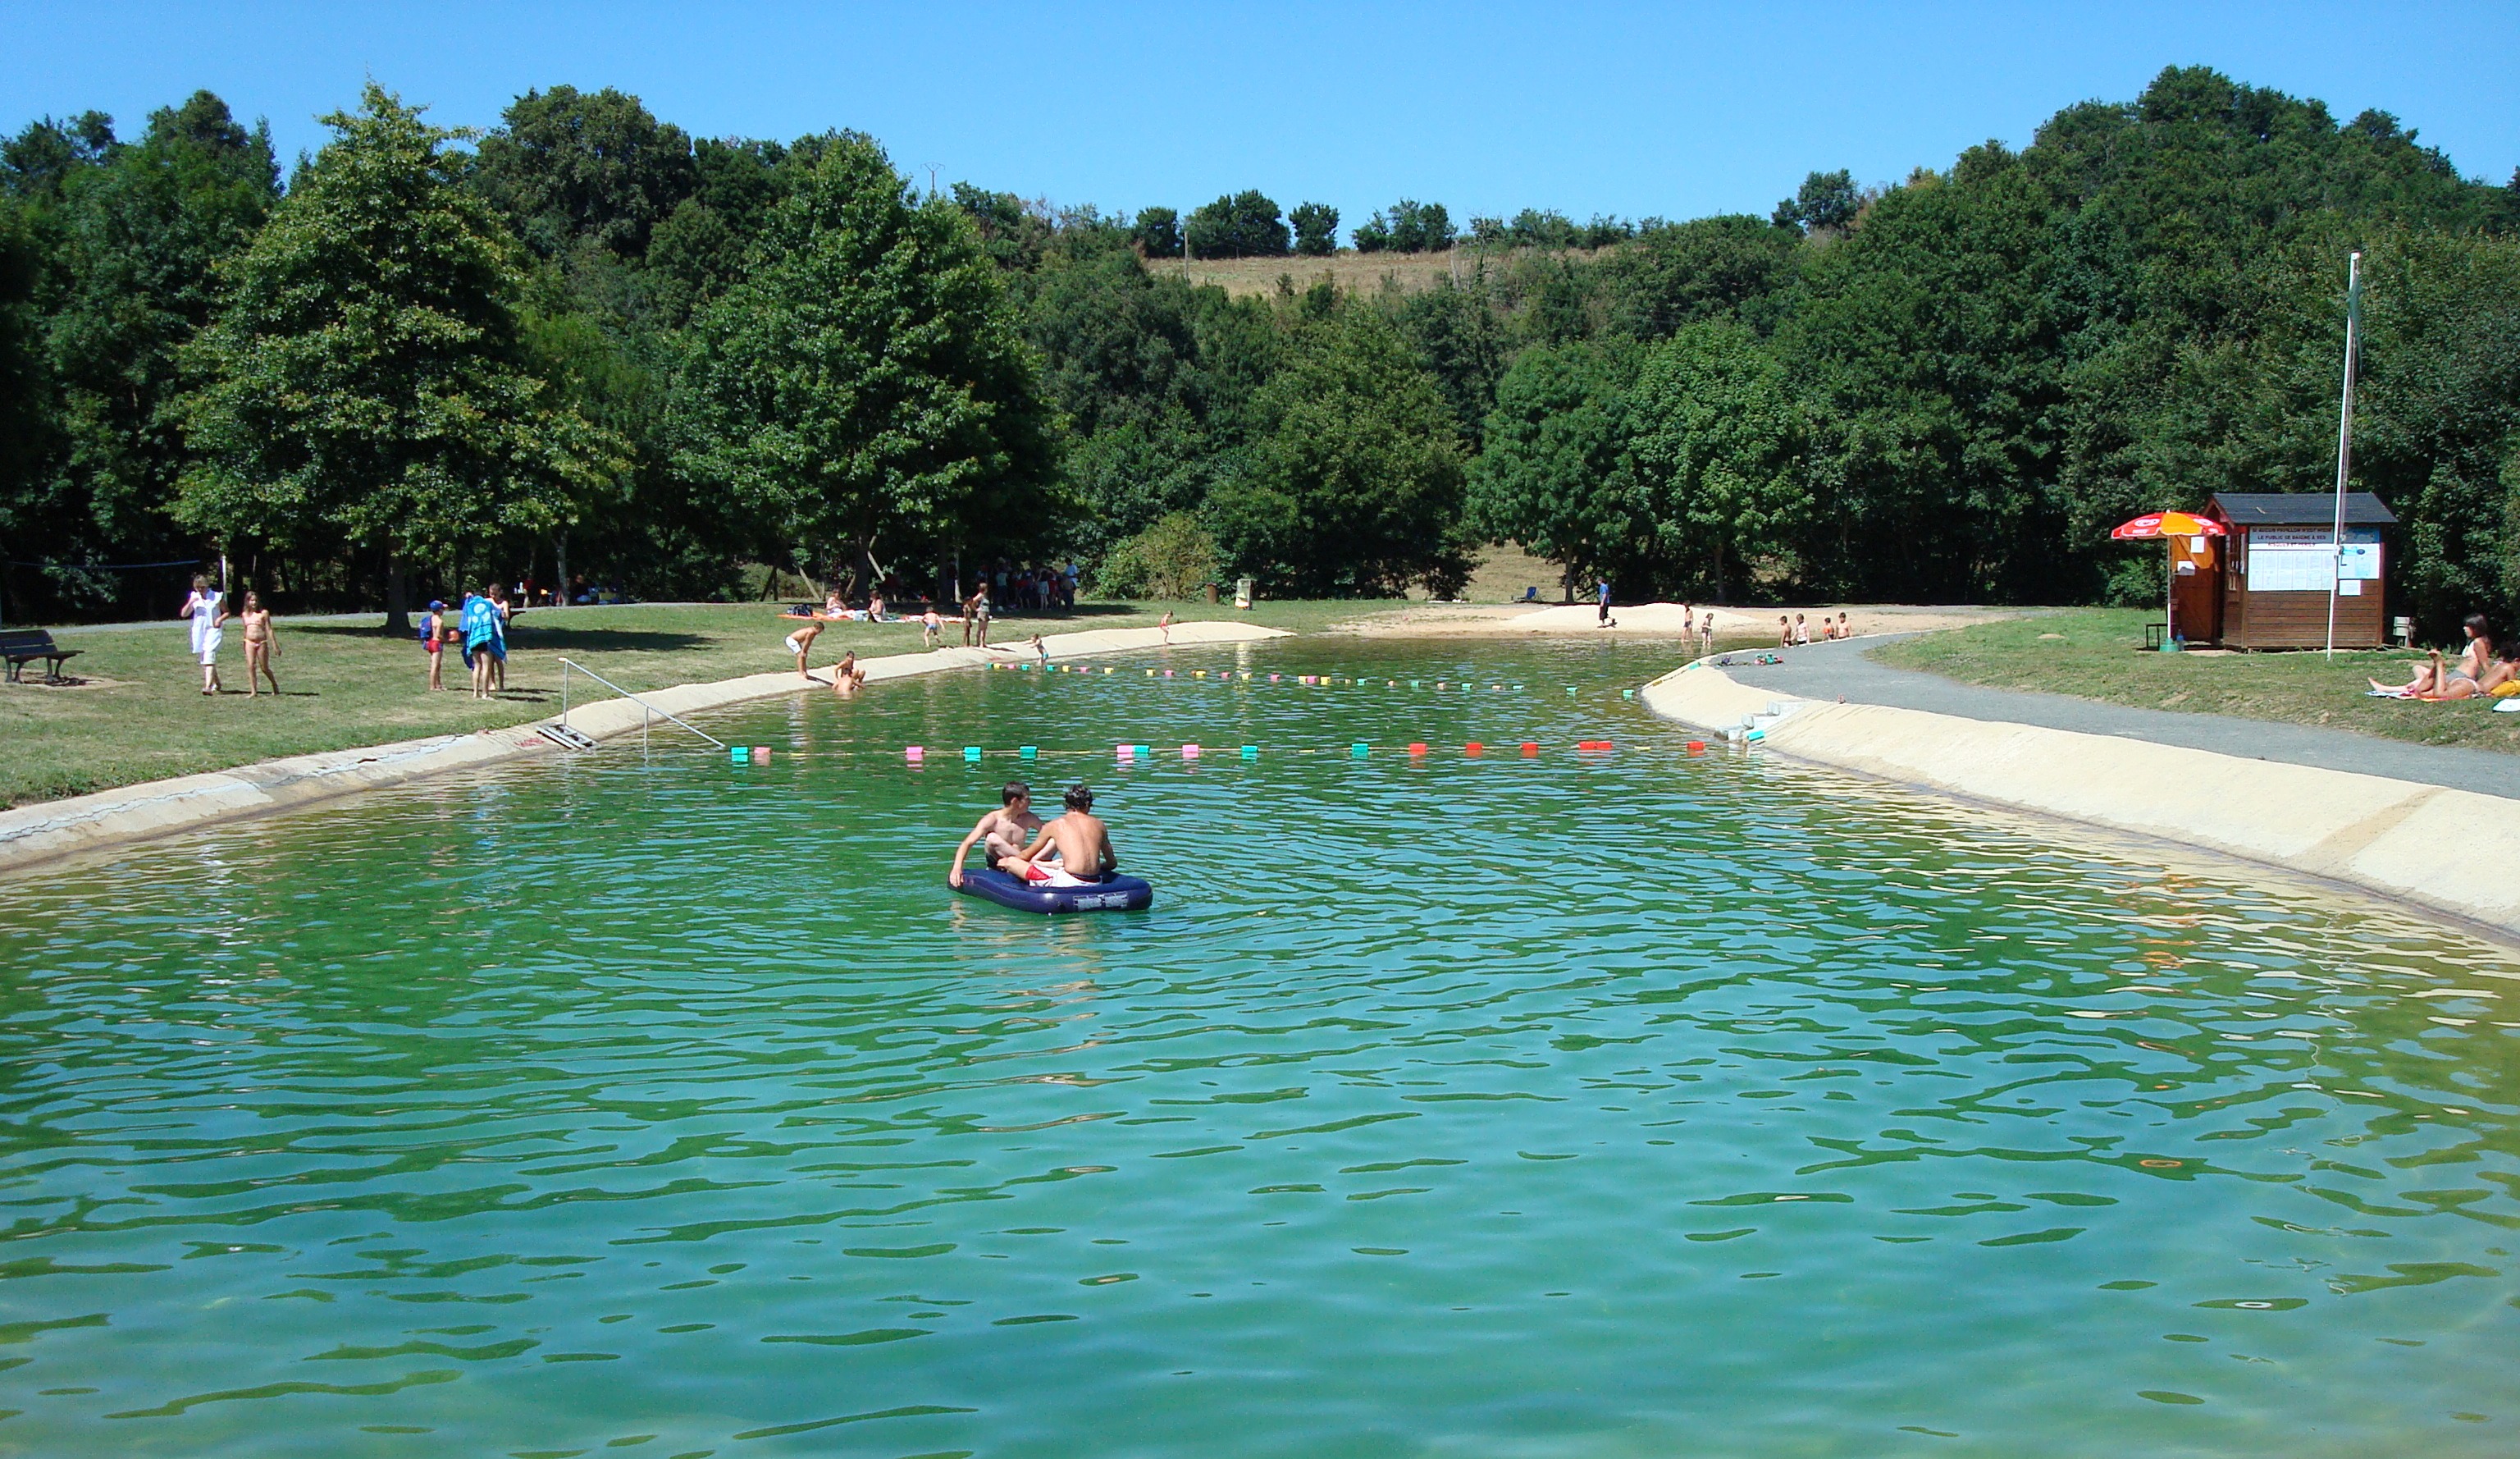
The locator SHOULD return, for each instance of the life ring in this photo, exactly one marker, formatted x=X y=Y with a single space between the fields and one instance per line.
x=1111 y=893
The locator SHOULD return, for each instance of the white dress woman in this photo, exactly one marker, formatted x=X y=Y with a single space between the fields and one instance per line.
x=202 y=607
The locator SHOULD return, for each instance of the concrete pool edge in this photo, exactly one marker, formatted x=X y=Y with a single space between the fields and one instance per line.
x=2436 y=847
x=51 y=831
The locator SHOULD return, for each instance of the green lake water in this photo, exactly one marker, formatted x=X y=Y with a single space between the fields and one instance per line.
x=1622 y=1103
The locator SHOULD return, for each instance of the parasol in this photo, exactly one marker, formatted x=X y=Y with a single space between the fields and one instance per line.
x=2168 y=524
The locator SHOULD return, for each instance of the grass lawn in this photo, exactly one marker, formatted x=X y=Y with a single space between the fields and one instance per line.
x=2098 y=654
x=142 y=717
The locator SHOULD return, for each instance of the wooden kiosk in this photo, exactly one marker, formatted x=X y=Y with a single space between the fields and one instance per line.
x=2264 y=586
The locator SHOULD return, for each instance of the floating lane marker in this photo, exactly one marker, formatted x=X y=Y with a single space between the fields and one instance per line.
x=1250 y=752
x=1124 y=750
x=916 y=753
x=1189 y=751
x=1529 y=748
x=761 y=755
x=738 y=754
x=970 y=751
x=1028 y=752
x=1595 y=744
x=1473 y=750
x=1417 y=747
x=1697 y=746
x=1358 y=749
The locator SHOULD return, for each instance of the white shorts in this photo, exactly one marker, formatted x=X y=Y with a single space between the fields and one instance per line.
x=793 y=647
x=1053 y=875
x=210 y=645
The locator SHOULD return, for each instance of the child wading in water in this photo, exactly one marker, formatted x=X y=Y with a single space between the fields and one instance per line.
x=846 y=677
x=259 y=645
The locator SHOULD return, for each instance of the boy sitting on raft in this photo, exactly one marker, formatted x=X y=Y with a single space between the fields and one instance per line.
x=1004 y=830
x=1079 y=838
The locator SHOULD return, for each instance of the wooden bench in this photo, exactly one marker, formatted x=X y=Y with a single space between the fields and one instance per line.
x=23 y=646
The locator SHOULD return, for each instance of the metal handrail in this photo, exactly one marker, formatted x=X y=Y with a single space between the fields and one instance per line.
x=568 y=663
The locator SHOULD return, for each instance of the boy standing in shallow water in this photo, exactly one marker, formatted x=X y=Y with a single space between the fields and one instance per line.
x=1005 y=829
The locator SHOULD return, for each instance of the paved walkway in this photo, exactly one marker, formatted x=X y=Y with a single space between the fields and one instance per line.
x=1827 y=670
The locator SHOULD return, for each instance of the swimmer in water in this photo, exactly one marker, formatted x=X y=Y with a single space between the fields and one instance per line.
x=1002 y=833
x=1082 y=843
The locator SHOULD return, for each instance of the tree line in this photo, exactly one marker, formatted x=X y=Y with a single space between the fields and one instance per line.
x=589 y=342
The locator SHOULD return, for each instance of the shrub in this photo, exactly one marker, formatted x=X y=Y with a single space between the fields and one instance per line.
x=1172 y=559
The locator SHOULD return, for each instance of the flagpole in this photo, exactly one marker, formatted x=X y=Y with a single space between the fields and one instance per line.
x=2344 y=441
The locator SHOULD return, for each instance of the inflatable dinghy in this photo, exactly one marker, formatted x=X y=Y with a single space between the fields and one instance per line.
x=1112 y=893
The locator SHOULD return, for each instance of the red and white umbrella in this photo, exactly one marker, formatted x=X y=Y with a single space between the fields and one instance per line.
x=2168 y=524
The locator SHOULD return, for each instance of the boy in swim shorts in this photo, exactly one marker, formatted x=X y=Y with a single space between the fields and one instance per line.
x=1004 y=830
x=931 y=627
x=801 y=640
x=1080 y=839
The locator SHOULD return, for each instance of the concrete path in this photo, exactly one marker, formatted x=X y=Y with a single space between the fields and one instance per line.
x=1826 y=670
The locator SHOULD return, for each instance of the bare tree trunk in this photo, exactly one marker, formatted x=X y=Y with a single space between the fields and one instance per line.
x=561 y=593
x=397 y=596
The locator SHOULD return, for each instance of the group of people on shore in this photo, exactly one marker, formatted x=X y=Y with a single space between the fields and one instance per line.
x=207 y=608
x=1797 y=631
x=2486 y=668
x=479 y=628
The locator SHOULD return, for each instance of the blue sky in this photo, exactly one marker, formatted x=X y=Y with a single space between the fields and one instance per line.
x=1634 y=109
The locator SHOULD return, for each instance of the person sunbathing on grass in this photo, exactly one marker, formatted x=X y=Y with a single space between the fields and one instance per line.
x=2430 y=680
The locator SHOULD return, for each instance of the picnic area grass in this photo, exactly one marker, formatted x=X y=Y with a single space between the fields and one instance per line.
x=347 y=683
x=2096 y=653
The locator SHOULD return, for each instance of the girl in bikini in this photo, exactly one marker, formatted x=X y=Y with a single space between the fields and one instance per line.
x=2464 y=680
x=259 y=645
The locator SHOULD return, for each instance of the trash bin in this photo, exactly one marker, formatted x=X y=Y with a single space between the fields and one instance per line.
x=1211 y=592
x=1244 y=590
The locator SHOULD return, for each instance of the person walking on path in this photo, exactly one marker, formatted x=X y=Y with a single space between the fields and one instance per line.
x=202 y=607
x=1604 y=594
x=931 y=629
x=432 y=641
x=259 y=645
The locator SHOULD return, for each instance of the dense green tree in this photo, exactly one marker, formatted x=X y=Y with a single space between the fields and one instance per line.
x=25 y=422
x=1730 y=265
x=1826 y=202
x=40 y=162
x=1355 y=478
x=140 y=236
x=1459 y=338
x=1558 y=475
x=1316 y=229
x=1718 y=439
x=865 y=389
x=1238 y=225
x=1406 y=226
x=365 y=385
x=571 y=168
x=1157 y=233
x=1928 y=341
